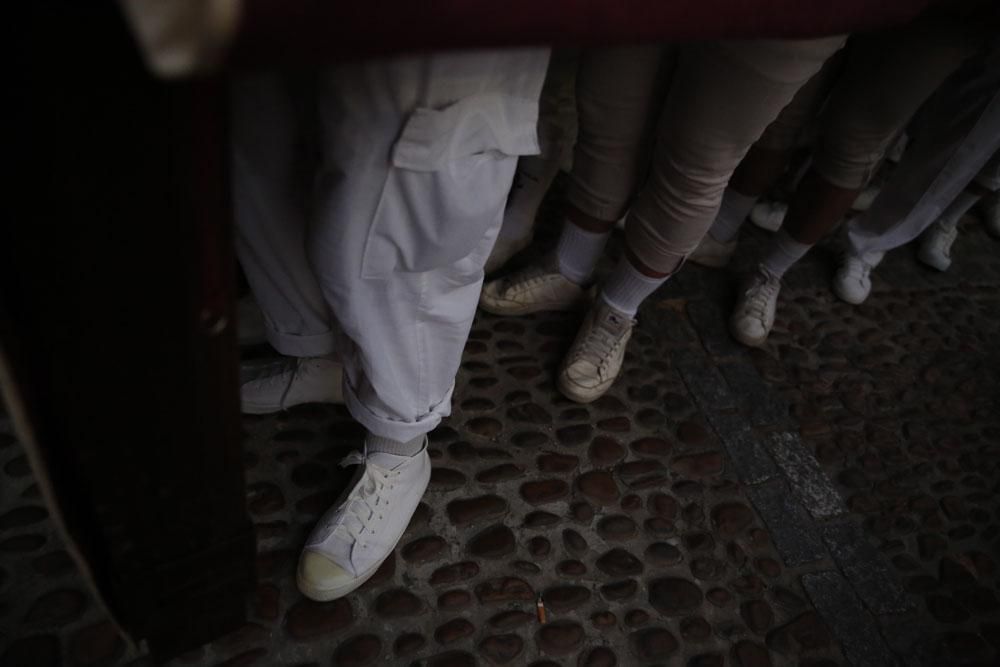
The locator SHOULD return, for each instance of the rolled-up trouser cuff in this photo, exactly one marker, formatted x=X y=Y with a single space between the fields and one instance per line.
x=293 y=345
x=652 y=250
x=395 y=429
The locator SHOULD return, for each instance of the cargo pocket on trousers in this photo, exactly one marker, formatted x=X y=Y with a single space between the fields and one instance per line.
x=450 y=175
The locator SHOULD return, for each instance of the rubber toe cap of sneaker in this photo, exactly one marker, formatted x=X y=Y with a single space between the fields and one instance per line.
x=320 y=578
x=749 y=331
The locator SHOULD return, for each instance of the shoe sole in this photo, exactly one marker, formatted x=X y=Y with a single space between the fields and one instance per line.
x=844 y=297
x=570 y=392
x=749 y=341
x=549 y=307
x=937 y=266
x=534 y=308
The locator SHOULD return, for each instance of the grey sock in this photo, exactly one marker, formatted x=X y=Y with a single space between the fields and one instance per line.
x=375 y=443
x=782 y=253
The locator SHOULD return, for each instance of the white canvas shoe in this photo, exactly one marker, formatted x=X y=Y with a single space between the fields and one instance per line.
x=300 y=380
x=595 y=358
x=852 y=282
x=753 y=316
x=532 y=289
x=359 y=532
x=769 y=214
x=712 y=253
x=935 y=247
x=866 y=198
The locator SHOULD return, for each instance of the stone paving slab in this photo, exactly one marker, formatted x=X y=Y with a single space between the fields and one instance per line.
x=854 y=627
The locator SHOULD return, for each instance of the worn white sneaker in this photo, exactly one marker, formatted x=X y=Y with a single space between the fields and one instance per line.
x=503 y=251
x=935 y=248
x=249 y=322
x=712 y=253
x=300 y=380
x=753 y=316
x=595 y=358
x=768 y=214
x=866 y=197
x=533 y=289
x=359 y=532
x=852 y=282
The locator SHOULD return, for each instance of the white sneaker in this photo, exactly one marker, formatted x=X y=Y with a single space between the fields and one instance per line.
x=866 y=197
x=301 y=380
x=712 y=253
x=532 y=289
x=360 y=531
x=898 y=148
x=852 y=282
x=768 y=214
x=503 y=251
x=249 y=322
x=935 y=248
x=595 y=358
x=753 y=316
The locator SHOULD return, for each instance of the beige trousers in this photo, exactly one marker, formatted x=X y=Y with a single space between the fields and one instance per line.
x=723 y=96
x=866 y=98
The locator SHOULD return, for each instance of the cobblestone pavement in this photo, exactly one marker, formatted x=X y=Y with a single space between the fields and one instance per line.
x=832 y=498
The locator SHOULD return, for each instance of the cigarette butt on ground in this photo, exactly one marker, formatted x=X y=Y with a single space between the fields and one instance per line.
x=540 y=606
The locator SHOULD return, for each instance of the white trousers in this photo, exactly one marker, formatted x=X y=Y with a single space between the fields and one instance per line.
x=375 y=251
x=961 y=134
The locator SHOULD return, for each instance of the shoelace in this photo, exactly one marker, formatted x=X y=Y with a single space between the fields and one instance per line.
x=600 y=345
x=369 y=495
x=759 y=294
x=856 y=269
x=531 y=275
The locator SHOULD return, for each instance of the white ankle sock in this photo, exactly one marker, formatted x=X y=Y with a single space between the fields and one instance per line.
x=951 y=215
x=626 y=288
x=782 y=252
x=578 y=251
x=734 y=210
x=375 y=443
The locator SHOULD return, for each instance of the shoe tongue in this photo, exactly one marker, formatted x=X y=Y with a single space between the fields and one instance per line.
x=612 y=320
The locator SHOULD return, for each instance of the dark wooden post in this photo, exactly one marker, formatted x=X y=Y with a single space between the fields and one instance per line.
x=116 y=289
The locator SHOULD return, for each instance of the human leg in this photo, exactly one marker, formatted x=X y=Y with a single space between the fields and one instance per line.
x=616 y=96
x=702 y=139
x=535 y=173
x=418 y=157
x=269 y=194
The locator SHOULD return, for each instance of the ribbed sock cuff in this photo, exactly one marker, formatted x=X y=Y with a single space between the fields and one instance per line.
x=782 y=253
x=375 y=443
x=578 y=252
x=626 y=288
